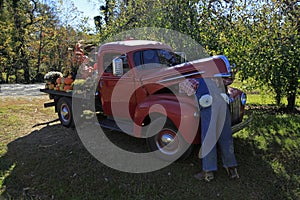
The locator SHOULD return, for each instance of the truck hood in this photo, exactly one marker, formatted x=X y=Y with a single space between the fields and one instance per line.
x=217 y=66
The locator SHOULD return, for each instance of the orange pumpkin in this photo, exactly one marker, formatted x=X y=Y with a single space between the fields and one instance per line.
x=68 y=87
x=68 y=81
x=58 y=80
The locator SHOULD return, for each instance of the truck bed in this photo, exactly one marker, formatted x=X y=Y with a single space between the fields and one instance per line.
x=57 y=93
x=87 y=99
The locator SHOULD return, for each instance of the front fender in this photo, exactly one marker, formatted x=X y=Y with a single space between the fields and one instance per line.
x=237 y=108
x=182 y=111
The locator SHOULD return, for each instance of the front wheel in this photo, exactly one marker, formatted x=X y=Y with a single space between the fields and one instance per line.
x=65 y=114
x=167 y=143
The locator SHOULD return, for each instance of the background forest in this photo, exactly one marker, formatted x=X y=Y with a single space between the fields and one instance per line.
x=261 y=36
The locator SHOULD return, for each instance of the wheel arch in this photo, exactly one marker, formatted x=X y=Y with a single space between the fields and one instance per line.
x=186 y=121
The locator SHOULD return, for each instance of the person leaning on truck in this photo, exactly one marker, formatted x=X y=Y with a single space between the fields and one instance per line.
x=215 y=126
x=215 y=129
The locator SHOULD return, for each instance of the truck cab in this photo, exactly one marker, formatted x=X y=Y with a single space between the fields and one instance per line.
x=139 y=84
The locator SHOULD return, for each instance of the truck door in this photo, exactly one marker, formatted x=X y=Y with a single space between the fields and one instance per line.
x=115 y=90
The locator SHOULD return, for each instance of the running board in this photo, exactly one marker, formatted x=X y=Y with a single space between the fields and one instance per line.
x=127 y=126
x=120 y=126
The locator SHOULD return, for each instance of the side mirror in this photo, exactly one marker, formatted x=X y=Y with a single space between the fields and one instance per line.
x=117 y=67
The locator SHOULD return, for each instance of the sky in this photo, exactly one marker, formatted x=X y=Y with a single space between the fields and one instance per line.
x=90 y=8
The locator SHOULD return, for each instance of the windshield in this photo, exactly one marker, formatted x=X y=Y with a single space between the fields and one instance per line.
x=156 y=58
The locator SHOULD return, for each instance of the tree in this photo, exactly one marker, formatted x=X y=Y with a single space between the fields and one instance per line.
x=22 y=23
x=6 y=51
x=44 y=35
x=35 y=37
x=264 y=41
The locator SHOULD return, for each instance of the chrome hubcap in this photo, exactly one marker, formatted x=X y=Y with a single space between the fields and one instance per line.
x=167 y=139
x=167 y=142
x=65 y=113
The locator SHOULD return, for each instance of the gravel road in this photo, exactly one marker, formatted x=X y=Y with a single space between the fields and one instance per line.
x=21 y=89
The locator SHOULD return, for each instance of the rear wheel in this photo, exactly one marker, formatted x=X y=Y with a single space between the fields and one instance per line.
x=168 y=143
x=64 y=107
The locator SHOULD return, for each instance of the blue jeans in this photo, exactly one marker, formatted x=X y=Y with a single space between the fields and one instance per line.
x=215 y=129
x=225 y=141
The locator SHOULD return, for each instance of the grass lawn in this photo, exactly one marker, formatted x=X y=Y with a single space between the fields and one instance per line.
x=48 y=161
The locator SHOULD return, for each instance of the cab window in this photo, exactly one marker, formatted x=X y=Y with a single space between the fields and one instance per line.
x=107 y=62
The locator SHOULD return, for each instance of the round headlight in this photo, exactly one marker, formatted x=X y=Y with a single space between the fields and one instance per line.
x=243 y=99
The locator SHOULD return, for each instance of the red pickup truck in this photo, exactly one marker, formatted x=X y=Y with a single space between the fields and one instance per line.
x=138 y=86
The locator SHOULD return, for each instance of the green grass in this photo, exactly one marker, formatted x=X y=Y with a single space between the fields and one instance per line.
x=267 y=99
x=261 y=96
x=50 y=162
x=275 y=138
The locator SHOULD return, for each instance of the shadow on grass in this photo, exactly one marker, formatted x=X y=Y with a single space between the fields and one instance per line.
x=274 y=136
x=52 y=163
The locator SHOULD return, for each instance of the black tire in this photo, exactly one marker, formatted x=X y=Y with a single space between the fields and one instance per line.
x=65 y=114
x=177 y=149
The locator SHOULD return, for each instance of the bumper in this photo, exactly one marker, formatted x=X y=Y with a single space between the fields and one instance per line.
x=240 y=126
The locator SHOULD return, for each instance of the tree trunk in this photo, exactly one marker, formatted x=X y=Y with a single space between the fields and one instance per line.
x=292 y=89
x=40 y=50
x=17 y=76
x=26 y=72
x=278 y=98
x=7 y=76
x=25 y=67
x=291 y=98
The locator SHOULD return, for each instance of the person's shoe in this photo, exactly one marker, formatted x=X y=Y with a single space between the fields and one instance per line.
x=232 y=173
x=205 y=176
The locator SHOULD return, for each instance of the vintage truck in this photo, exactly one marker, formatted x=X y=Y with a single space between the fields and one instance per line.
x=138 y=83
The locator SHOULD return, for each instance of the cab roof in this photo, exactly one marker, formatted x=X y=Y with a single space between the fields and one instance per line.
x=132 y=45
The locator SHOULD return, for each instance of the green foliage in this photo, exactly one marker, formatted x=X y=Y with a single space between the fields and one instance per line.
x=35 y=37
x=261 y=37
x=264 y=42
